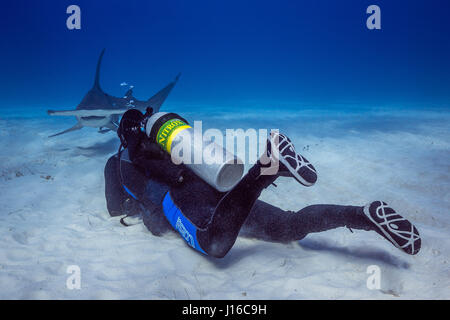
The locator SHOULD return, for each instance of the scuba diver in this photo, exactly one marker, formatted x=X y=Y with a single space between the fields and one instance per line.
x=143 y=184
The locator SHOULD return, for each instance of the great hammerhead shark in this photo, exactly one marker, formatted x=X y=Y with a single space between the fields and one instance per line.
x=101 y=110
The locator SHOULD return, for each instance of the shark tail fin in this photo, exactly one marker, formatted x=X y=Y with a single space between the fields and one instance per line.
x=97 y=71
x=78 y=126
x=158 y=99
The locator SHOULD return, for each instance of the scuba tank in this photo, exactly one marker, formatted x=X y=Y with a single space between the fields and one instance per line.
x=174 y=134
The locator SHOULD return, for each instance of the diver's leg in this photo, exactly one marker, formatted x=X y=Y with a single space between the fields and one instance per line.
x=145 y=195
x=114 y=192
x=220 y=234
x=130 y=192
x=233 y=209
x=269 y=223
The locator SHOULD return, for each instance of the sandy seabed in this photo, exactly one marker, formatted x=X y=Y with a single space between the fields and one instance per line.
x=53 y=214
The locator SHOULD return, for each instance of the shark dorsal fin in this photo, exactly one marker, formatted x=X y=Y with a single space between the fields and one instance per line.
x=97 y=72
x=129 y=93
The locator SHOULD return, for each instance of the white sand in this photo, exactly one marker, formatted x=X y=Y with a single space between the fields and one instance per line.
x=53 y=215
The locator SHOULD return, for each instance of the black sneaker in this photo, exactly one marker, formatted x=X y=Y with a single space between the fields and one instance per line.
x=392 y=226
x=291 y=163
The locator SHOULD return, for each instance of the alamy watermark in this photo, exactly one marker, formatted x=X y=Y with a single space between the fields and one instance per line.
x=210 y=147
x=74 y=280
x=373 y=22
x=74 y=20
x=373 y=281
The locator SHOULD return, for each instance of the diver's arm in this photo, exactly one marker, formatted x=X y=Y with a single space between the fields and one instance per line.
x=157 y=164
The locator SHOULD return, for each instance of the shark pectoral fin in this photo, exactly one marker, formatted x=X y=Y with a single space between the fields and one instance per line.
x=78 y=126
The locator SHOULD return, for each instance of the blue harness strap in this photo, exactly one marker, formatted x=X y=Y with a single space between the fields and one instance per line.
x=180 y=223
x=129 y=192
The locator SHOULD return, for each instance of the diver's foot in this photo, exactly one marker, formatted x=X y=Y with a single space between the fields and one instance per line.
x=393 y=227
x=291 y=163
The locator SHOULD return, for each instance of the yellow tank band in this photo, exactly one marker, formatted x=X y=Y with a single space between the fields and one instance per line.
x=168 y=131
x=173 y=135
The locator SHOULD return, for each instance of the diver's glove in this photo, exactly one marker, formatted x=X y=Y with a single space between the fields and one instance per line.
x=157 y=163
x=151 y=150
x=163 y=170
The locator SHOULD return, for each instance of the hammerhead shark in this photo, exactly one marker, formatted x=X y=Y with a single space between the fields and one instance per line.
x=101 y=110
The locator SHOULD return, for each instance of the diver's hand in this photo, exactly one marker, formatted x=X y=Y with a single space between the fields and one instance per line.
x=161 y=169
x=152 y=150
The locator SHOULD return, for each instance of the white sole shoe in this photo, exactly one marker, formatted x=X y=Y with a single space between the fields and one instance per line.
x=392 y=226
x=281 y=148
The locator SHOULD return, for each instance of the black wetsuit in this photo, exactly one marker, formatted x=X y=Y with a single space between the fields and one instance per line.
x=217 y=218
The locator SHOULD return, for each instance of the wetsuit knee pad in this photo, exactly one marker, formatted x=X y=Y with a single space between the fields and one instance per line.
x=179 y=222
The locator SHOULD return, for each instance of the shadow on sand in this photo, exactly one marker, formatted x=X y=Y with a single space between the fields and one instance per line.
x=363 y=253
x=99 y=148
x=236 y=254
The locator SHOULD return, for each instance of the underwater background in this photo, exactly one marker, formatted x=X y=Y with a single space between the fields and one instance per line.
x=260 y=54
x=368 y=108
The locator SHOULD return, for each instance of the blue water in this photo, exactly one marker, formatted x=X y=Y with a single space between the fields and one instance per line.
x=238 y=54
